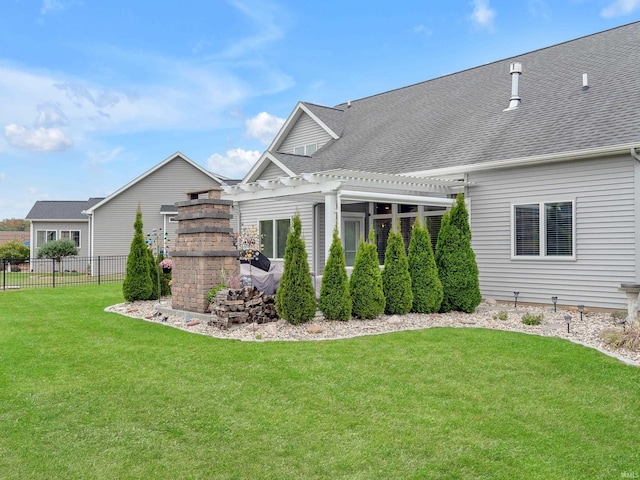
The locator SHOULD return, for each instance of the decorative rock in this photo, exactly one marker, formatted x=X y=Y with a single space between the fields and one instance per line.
x=193 y=323
x=491 y=301
x=314 y=328
x=553 y=326
x=271 y=329
x=394 y=320
x=575 y=309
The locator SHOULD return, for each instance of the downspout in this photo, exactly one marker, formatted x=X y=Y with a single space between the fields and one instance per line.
x=636 y=171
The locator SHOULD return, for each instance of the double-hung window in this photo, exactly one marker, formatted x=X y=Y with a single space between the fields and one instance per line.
x=73 y=235
x=274 y=236
x=44 y=236
x=544 y=230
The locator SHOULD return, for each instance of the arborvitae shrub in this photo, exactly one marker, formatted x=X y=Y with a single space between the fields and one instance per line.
x=456 y=261
x=365 y=284
x=137 y=281
x=295 y=297
x=396 y=281
x=154 y=271
x=425 y=283
x=335 y=300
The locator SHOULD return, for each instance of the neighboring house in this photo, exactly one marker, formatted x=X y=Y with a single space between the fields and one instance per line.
x=544 y=146
x=10 y=235
x=104 y=226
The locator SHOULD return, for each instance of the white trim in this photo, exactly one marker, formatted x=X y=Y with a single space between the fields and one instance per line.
x=291 y=121
x=149 y=172
x=534 y=160
x=261 y=164
x=542 y=231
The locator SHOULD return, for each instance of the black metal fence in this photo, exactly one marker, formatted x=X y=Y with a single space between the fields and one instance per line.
x=47 y=272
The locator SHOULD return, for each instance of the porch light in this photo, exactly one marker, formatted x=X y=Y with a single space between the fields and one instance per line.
x=515 y=302
x=581 y=309
x=567 y=318
x=555 y=301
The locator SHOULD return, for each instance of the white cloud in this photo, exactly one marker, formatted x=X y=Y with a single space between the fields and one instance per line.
x=483 y=14
x=264 y=127
x=3 y=177
x=55 y=5
x=235 y=165
x=620 y=7
x=100 y=158
x=42 y=139
x=422 y=29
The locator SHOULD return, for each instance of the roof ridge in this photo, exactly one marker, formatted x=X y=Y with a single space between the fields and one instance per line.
x=490 y=63
x=323 y=106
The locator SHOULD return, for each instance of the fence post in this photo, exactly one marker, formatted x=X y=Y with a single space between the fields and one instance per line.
x=99 y=270
x=4 y=273
x=53 y=269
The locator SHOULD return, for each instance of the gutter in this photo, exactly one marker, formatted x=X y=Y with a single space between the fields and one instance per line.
x=535 y=160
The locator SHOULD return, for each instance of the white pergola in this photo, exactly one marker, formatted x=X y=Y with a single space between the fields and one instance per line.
x=335 y=187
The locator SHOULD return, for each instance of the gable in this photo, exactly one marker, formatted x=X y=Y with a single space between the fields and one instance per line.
x=305 y=131
x=169 y=167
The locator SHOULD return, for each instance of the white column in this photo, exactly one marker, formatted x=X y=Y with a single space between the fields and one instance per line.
x=331 y=220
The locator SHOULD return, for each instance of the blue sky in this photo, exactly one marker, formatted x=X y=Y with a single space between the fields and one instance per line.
x=94 y=93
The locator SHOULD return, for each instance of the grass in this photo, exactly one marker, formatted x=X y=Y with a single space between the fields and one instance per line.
x=90 y=394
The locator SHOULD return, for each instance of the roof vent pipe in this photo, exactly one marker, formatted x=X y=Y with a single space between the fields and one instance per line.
x=585 y=81
x=515 y=70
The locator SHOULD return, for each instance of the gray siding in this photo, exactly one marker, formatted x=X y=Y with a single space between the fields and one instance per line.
x=83 y=251
x=304 y=132
x=271 y=172
x=252 y=212
x=603 y=190
x=113 y=221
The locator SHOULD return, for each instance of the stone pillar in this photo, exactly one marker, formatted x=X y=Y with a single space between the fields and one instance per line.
x=203 y=250
x=632 y=290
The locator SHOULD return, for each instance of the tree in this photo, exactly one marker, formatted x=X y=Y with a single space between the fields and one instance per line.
x=335 y=300
x=295 y=297
x=396 y=280
x=365 y=284
x=14 y=251
x=456 y=261
x=425 y=282
x=154 y=272
x=14 y=224
x=137 y=281
x=57 y=250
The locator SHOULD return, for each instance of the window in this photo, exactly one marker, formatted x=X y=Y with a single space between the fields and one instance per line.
x=543 y=230
x=44 y=236
x=309 y=149
x=404 y=216
x=274 y=236
x=73 y=235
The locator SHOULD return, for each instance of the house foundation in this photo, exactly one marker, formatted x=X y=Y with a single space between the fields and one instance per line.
x=204 y=253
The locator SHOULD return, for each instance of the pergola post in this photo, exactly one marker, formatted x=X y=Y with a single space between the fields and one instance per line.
x=331 y=219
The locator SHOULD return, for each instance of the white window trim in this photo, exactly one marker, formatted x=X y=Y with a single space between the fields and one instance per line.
x=46 y=235
x=306 y=148
x=79 y=236
x=275 y=234
x=543 y=237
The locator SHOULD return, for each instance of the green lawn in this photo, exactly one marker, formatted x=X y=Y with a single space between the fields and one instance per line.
x=89 y=394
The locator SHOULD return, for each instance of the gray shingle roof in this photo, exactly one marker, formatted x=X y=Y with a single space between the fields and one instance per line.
x=459 y=120
x=332 y=117
x=60 y=209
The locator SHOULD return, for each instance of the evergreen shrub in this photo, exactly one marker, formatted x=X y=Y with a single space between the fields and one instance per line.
x=295 y=297
x=365 y=284
x=425 y=282
x=456 y=261
x=396 y=280
x=137 y=281
x=335 y=300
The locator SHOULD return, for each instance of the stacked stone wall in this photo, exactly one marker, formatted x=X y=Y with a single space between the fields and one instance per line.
x=204 y=251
